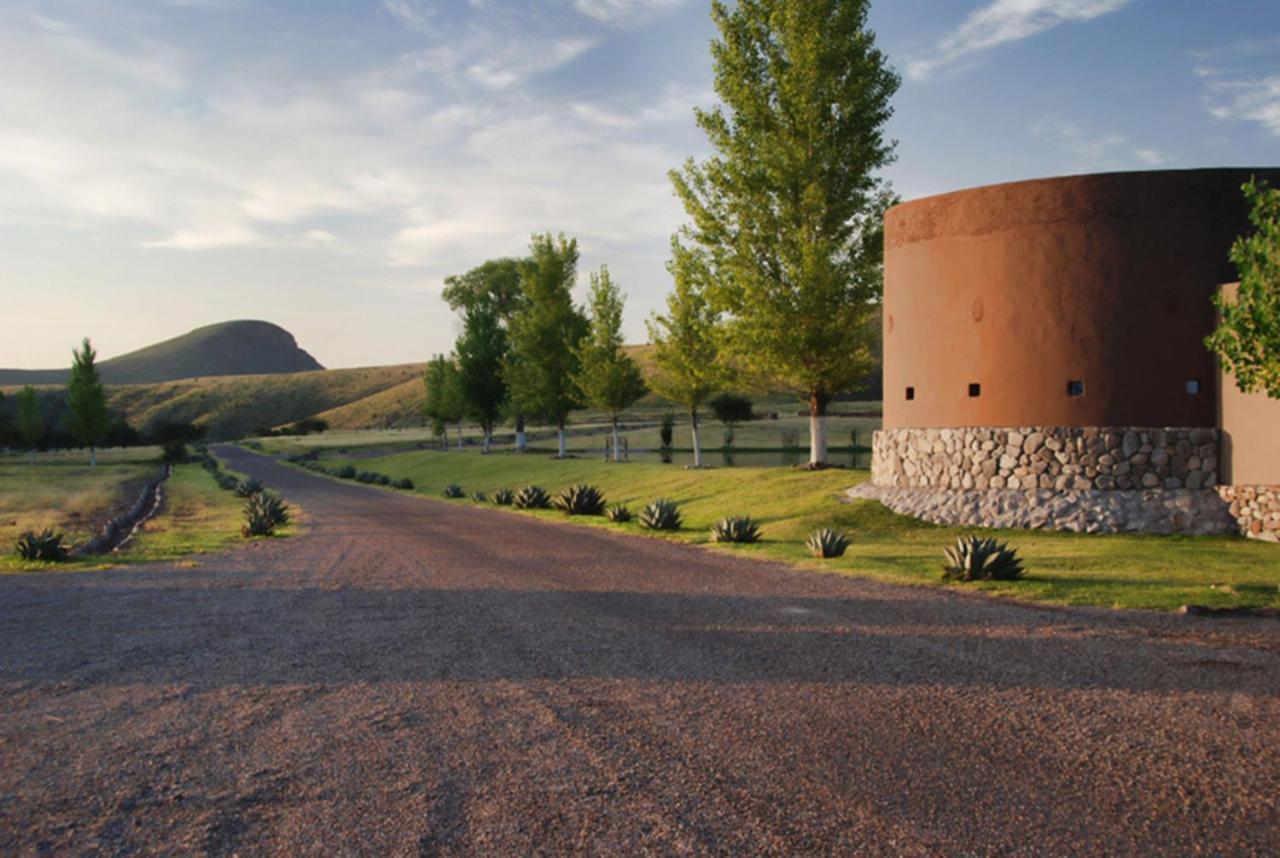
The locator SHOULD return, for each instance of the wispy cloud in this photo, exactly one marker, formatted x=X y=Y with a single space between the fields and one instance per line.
x=621 y=11
x=1098 y=151
x=1004 y=21
x=1240 y=82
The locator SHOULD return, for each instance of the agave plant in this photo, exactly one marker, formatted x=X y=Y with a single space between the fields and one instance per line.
x=826 y=542
x=347 y=472
x=45 y=545
x=405 y=483
x=618 y=513
x=248 y=487
x=661 y=514
x=504 y=497
x=453 y=490
x=383 y=480
x=975 y=558
x=479 y=497
x=735 y=528
x=530 y=497
x=581 y=500
x=263 y=513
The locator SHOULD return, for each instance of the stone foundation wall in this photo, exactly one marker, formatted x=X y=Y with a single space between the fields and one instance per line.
x=1081 y=459
x=1256 y=510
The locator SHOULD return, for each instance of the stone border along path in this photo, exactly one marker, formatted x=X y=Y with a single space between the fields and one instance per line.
x=123 y=527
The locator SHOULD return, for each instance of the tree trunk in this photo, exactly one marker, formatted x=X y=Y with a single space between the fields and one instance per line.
x=93 y=457
x=522 y=442
x=488 y=437
x=459 y=435
x=31 y=457
x=697 y=446
x=616 y=455
x=817 y=430
x=561 y=440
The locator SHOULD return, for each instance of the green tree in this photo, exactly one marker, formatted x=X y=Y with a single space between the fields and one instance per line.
x=87 y=400
x=30 y=420
x=497 y=283
x=789 y=209
x=607 y=376
x=482 y=351
x=1247 y=339
x=4 y=422
x=444 y=403
x=544 y=334
x=686 y=351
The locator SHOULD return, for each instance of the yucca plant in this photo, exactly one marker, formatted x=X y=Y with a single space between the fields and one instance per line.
x=580 y=500
x=263 y=513
x=45 y=545
x=976 y=558
x=453 y=490
x=405 y=483
x=827 y=543
x=618 y=513
x=661 y=514
x=504 y=497
x=530 y=497
x=248 y=487
x=735 y=528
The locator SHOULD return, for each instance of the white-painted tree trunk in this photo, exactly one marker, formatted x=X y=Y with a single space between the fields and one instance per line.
x=617 y=455
x=522 y=442
x=459 y=434
x=697 y=444
x=817 y=439
x=488 y=439
x=93 y=457
x=560 y=437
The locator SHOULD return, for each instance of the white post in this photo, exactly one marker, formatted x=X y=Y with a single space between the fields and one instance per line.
x=521 y=441
x=817 y=439
x=488 y=435
x=560 y=436
x=616 y=456
x=697 y=446
x=93 y=457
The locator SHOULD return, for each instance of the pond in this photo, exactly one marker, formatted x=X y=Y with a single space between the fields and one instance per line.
x=860 y=459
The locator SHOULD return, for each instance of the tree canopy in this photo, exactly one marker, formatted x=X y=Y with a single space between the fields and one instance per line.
x=607 y=376
x=495 y=282
x=482 y=352
x=88 y=420
x=444 y=404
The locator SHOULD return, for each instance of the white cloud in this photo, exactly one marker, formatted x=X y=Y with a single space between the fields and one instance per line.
x=621 y=11
x=1094 y=151
x=1003 y=21
x=1256 y=100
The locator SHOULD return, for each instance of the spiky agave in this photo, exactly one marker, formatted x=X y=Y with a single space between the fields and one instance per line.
x=503 y=497
x=531 y=497
x=581 y=499
x=45 y=545
x=263 y=513
x=826 y=543
x=248 y=487
x=661 y=514
x=977 y=558
x=453 y=490
x=618 y=514
x=735 y=528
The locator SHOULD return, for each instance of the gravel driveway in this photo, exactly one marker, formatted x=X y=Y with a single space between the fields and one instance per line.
x=414 y=677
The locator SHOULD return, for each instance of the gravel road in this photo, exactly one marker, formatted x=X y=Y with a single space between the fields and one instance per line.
x=414 y=677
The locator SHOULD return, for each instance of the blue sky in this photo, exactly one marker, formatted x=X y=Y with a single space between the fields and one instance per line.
x=324 y=165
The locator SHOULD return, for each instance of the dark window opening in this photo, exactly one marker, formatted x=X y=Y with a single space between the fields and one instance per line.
x=911 y=393
x=1075 y=388
x=1193 y=387
x=975 y=390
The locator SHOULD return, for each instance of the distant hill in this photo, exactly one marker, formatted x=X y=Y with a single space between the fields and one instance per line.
x=227 y=348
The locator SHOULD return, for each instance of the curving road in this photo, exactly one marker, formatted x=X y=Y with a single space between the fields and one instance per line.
x=414 y=677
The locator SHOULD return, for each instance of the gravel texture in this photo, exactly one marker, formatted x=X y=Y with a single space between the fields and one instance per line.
x=415 y=677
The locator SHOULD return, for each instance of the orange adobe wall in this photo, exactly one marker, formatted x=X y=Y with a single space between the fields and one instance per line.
x=1029 y=289
x=1250 y=436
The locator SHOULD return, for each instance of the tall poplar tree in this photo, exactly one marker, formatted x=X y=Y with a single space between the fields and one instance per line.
x=444 y=404
x=789 y=209
x=482 y=350
x=686 y=349
x=30 y=420
x=544 y=335
x=608 y=378
x=87 y=400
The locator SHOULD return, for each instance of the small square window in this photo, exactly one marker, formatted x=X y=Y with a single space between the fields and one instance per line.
x=911 y=393
x=1193 y=387
x=1075 y=388
x=975 y=390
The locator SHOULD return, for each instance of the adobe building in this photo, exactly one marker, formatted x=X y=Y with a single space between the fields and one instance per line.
x=1044 y=363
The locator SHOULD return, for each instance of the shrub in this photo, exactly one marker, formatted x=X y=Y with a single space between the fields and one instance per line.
x=735 y=528
x=530 y=497
x=263 y=513
x=580 y=500
x=503 y=497
x=383 y=480
x=975 y=558
x=45 y=545
x=618 y=513
x=226 y=482
x=367 y=477
x=248 y=487
x=453 y=490
x=209 y=463
x=667 y=431
x=730 y=408
x=661 y=514
x=347 y=472
x=827 y=543
x=405 y=483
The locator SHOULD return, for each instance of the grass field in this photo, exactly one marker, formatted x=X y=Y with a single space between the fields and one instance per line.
x=1152 y=572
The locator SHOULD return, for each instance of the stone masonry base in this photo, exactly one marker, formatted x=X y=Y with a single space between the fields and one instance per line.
x=1256 y=509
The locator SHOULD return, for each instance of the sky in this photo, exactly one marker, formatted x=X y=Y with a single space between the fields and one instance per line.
x=324 y=165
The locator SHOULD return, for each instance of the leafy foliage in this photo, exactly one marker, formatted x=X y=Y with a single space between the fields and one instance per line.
x=826 y=543
x=735 y=528
x=581 y=499
x=1248 y=337
x=731 y=408
x=660 y=514
x=87 y=399
x=666 y=432
x=530 y=497
x=30 y=420
x=607 y=376
x=975 y=558
x=482 y=353
x=444 y=403
x=495 y=283
x=44 y=546
x=263 y=513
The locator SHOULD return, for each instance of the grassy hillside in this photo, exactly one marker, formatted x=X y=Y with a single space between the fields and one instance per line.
x=227 y=348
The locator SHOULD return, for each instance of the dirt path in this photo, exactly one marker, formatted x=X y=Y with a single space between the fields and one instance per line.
x=412 y=677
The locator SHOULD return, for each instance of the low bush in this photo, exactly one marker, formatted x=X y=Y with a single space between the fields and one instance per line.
x=618 y=514
x=661 y=514
x=263 y=513
x=453 y=490
x=827 y=543
x=383 y=480
x=45 y=545
x=531 y=497
x=975 y=558
x=366 y=477
x=405 y=483
x=735 y=528
x=347 y=472
x=580 y=500
x=226 y=482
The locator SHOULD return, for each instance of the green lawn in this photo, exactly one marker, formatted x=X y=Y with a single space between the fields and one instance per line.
x=1160 y=573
